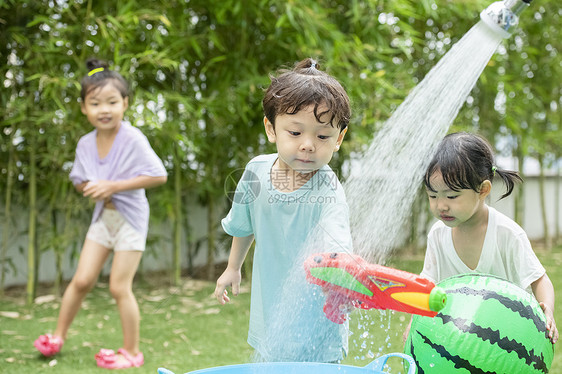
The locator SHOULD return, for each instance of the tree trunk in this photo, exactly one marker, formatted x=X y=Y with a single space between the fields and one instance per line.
x=544 y=213
x=65 y=245
x=7 y=225
x=211 y=236
x=211 y=174
x=60 y=241
x=178 y=220
x=557 y=203
x=519 y=198
x=192 y=246
x=415 y=220
x=32 y=229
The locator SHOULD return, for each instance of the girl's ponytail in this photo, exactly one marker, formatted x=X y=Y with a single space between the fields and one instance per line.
x=93 y=63
x=509 y=178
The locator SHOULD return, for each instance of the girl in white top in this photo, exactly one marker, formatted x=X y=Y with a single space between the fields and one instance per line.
x=471 y=236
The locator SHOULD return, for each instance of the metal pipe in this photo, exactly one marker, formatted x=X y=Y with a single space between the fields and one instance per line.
x=503 y=16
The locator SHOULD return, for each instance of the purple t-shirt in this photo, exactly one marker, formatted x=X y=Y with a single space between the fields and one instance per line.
x=130 y=156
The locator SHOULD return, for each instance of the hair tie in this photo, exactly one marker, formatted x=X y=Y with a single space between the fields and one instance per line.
x=494 y=168
x=94 y=71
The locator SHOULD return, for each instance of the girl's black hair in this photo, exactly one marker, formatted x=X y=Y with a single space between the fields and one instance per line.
x=303 y=86
x=465 y=161
x=97 y=79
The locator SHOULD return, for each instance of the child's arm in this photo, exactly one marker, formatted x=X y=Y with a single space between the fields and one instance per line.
x=103 y=189
x=544 y=292
x=232 y=276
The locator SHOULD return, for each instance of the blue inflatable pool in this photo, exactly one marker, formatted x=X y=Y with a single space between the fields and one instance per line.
x=375 y=367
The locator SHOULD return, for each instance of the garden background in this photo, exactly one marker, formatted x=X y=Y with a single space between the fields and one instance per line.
x=198 y=70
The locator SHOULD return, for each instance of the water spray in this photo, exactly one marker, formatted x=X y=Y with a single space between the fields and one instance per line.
x=409 y=138
x=503 y=16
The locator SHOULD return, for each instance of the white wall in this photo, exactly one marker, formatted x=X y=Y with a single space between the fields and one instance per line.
x=532 y=219
x=159 y=253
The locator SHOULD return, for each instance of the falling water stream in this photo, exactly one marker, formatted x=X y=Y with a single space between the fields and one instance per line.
x=382 y=187
x=383 y=183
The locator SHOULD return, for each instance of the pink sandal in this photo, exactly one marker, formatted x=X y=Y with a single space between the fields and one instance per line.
x=108 y=359
x=48 y=344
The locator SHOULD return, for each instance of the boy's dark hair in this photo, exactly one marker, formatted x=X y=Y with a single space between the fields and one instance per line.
x=465 y=161
x=97 y=79
x=303 y=86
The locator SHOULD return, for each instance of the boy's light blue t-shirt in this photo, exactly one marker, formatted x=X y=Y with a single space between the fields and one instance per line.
x=287 y=322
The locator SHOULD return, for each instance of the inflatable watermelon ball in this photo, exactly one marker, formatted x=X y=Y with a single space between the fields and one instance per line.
x=487 y=326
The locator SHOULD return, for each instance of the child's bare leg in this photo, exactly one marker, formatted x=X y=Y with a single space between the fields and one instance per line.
x=91 y=261
x=125 y=264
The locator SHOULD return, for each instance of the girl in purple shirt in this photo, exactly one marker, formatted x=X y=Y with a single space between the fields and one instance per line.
x=114 y=164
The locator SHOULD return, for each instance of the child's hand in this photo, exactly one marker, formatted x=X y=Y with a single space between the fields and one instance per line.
x=232 y=278
x=550 y=323
x=99 y=190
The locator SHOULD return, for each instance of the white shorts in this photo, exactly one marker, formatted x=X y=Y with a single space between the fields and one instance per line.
x=113 y=231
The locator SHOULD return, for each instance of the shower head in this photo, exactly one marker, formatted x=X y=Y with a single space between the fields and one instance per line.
x=502 y=16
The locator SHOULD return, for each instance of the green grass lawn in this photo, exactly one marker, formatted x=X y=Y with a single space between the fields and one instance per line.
x=184 y=329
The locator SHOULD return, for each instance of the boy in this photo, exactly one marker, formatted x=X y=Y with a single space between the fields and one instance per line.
x=288 y=202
